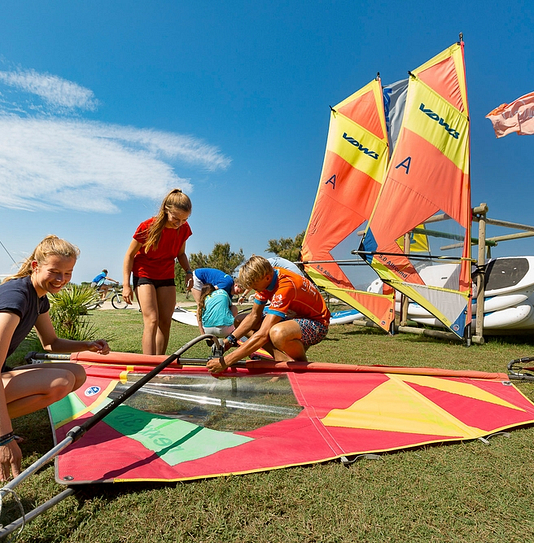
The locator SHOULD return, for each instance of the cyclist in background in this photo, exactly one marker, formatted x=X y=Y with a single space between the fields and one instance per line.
x=99 y=282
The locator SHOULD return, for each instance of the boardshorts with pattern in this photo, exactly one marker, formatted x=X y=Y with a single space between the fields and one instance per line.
x=313 y=332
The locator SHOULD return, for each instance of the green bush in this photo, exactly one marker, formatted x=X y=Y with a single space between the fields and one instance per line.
x=68 y=312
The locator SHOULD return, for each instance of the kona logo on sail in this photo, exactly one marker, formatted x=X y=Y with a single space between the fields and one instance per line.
x=358 y=145
x=435 y=117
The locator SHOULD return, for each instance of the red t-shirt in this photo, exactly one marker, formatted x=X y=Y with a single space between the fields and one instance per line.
x=293 y=296
x=159 y=263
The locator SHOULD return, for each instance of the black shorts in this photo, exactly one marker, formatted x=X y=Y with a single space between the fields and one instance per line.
x=156 y=283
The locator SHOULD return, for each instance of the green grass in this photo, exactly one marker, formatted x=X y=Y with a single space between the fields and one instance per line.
x=466 y=492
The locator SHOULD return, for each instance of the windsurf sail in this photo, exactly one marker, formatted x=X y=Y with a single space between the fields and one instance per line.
x=428 y=174
x=188 y=424
x=353 y=170
x=418 y=240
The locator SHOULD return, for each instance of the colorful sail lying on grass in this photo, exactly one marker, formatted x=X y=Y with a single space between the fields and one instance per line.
x=354 y=166
x=428 y=173
x=188 y=424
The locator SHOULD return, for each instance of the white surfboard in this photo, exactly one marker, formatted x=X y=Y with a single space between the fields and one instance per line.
x=184 y=316
x=511 y=317
x=505 y=319
x=495 y=303
x=504 y=275
x=509 y=274
x=502 y=301
x=345 y=317
x=509 y=284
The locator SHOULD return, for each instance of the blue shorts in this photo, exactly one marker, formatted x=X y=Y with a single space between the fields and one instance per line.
x=313 y=332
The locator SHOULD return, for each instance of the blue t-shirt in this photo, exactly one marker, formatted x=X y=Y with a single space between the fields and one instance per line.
x=216 y=310
x=99 y=279
x=215 y=277
x=19 y=296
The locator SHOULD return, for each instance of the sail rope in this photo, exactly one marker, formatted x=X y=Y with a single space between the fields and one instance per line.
x=7 y=490
x=7 y=252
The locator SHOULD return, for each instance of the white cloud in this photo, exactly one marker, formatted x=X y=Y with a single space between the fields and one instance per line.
x=55 y=91
x=51 y=162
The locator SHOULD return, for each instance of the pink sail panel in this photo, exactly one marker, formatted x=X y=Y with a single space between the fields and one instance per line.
x=188 y=424
x=445 y=74
x=425 y=198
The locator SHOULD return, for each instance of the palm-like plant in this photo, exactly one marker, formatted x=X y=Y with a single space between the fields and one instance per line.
x=68 y=310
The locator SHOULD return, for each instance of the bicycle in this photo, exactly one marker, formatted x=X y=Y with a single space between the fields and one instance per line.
x=115 y=293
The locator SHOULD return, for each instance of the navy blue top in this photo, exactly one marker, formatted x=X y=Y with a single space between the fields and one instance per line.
x=20 y=297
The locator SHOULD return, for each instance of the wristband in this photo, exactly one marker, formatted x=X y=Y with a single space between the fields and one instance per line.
x=7 y=438
x=232 y=340
x=189 y=272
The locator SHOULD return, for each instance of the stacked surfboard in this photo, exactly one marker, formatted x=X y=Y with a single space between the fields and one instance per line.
x=185 y=316
x=508 y=294
x=346 y=316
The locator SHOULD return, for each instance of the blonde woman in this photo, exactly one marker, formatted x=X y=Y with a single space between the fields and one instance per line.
x=156 y=244
x=23 y=305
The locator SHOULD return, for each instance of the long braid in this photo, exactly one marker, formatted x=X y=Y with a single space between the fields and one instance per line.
x=207 y=289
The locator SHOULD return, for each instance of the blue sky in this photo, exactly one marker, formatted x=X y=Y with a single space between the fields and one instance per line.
x=106 y=105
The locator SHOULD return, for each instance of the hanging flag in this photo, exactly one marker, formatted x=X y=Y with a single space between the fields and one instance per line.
x=515 y=117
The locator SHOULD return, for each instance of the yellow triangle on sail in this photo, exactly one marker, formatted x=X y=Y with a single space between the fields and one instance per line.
x=457 y=387
x=395 y=406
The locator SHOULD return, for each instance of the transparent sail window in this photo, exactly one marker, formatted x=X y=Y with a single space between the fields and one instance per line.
x=231 y=404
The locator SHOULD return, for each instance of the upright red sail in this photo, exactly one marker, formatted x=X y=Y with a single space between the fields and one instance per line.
x=354 y=167
x=428 y=174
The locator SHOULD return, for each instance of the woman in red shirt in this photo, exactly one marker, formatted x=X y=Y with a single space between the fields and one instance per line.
x=156 y=244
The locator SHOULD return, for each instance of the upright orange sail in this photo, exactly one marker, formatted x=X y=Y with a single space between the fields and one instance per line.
x=354 y=167
x=428 y=173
